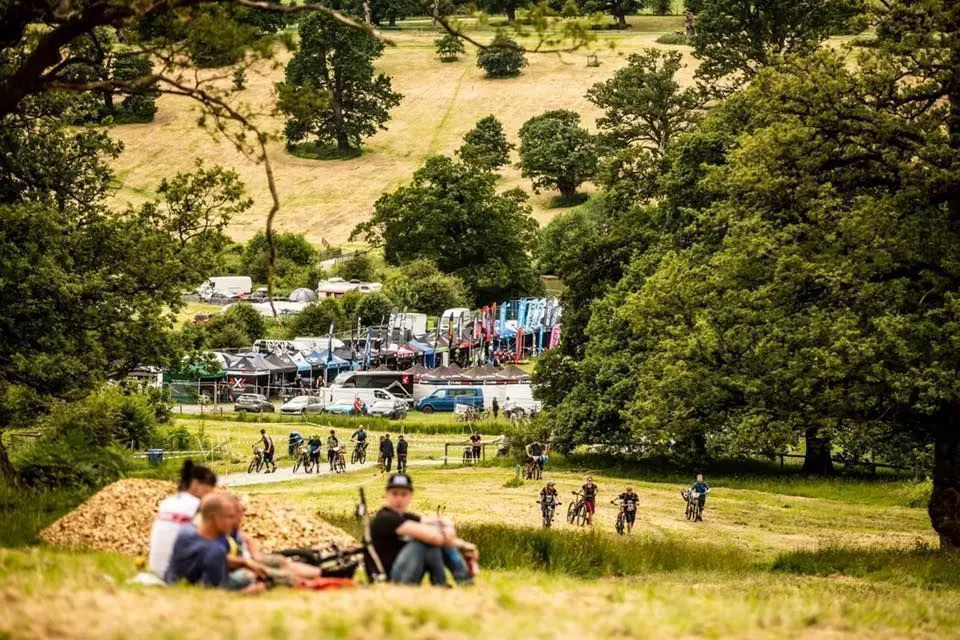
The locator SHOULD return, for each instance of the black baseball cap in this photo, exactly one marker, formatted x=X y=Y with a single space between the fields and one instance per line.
x=400 y=481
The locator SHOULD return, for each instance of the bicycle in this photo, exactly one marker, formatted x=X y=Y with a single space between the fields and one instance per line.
x=359 y=453
x=548 y=513
x=694 y=510
x=304 y=460
x=532 y=470
x=621 y=520
x=257 y=463
x=340 y=461
x=577 y=511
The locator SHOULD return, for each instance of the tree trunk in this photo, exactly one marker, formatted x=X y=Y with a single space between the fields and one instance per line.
x=568 y=190
x=622 y=21
x=393 y=21
x=511 y=14
x=817 y=459
x=944 y=505
x=343 y=142
x=7 y=473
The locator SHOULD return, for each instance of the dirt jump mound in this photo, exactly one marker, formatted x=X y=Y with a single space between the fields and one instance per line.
x=119 y=517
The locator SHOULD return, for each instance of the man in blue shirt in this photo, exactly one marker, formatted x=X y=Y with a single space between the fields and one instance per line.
x=197 y=558
x=701 y=488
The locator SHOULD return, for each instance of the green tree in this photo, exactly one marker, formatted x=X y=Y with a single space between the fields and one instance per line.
x=314 y=320
x=644 y=103
x=237 y=327
x=452 y=215
x=507 y=7
x=556 y=152
x=330 y=92
x=295 y=256
x=619 y=9
x=564 y=231
x=422 y=288
x=734 y=39
x=502 y=58
x=449 y=47
x=372 y=308
x=663 y=7
x=485 y=146
x=359 y=266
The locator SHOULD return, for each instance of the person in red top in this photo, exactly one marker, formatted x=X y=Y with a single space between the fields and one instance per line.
x=590 y=498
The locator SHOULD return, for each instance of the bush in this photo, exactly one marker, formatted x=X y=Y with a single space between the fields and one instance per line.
x=502 y=58
x=920 y=567
x=314 y=320
x=359 y=266
x=449 y=47
x=25 y=513
x=663 y=7
x=674 y=38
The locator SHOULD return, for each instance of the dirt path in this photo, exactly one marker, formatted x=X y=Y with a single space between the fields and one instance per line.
x=285 y=474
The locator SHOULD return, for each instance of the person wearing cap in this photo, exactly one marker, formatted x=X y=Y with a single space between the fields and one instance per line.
x=402 y=445
x=410 y=545
x=628 y=501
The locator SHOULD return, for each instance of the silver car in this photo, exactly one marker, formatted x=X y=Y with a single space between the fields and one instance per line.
x=301 y=405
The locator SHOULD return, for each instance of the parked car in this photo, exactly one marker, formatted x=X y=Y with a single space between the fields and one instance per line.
x=383 y=404
x=300 y=405
x=447 y=398
x=253 y=403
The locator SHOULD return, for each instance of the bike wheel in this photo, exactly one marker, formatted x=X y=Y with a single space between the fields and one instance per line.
x=355 y=457
x=296 y=465
x=363 y=457
x=253 y=465
x=582 y=515
x=571 y=512
x=690 y=513
x=308 y=465
x=538 y=472
x=620 y=524
x=259 y=465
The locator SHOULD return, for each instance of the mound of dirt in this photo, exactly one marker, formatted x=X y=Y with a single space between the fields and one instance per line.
x=119 y=518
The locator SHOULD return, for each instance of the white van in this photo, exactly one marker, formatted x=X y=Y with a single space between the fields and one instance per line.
x=378 y=402
x=226 y=285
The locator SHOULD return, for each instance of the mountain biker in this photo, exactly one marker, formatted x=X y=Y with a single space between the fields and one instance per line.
x=294 y=440
x=402 y=445
x=177 y=511
x=590 y=498
x=315 y=443
x=548 y=497
x=268 y=450
x=535 y=452
x=386 y=451
x=628 y=501
x=701 y=488
x=333 y=446
x=360 y=436
x=475 y=439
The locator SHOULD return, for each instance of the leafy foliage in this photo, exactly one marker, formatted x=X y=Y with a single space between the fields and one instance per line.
x=556 y=152
x=449 y=47
x=485 y=146
x=619 y=9
x=359 y=266
x=502 y=58
x=330 y=92
x=421 y=287
x=294 y=262
x=314 y=320
x=452 y=215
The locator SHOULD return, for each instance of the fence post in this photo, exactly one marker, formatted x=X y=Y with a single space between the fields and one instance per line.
x=446 y=447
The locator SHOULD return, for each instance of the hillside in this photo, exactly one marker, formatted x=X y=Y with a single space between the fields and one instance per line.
x=326 y=198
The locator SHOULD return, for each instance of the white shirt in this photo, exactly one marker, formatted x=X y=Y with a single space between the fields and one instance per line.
x=174 y=512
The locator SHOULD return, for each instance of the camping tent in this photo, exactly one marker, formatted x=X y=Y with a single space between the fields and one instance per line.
x=303 y=295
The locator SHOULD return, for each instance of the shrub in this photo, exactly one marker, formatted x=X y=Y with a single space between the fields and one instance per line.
x=663 y=7
x=502 y=58
x=359 y=266
x=919 y=567
x=674 y=38
x=449 y=47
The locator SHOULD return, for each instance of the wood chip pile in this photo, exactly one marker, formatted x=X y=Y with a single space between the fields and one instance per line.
x=119 y=518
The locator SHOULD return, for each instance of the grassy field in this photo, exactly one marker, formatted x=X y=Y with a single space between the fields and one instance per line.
x=325 y=199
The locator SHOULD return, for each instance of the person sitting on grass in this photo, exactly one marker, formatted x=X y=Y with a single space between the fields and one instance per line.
x=176 y=512
x=198 y=558
x=590 y=498
x=409 y=545
x=701 y=489
x=247 y=563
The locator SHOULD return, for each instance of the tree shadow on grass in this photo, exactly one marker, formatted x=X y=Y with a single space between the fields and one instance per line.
x=559 y=202
x=314 y=151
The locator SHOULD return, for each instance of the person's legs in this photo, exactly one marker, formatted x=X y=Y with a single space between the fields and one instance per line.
x=415 y=559
x=591 y=507
x=388 y=462
x=453 y=560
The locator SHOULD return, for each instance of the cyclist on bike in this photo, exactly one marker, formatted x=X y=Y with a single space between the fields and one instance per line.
x=333 y=447
x=535 y=452
x=701 y=488
x=628 y=502
x=548 y=498
x=268 y=450
x=401 y=455
x=590 y=498
x=360 y=436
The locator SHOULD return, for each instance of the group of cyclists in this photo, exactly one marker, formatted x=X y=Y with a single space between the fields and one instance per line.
x=335 y=449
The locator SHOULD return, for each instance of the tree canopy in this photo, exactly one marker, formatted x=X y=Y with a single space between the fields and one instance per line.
x=556 y=152
x=502 y=58
x=330 y=92
x=452 y=215
x=485 y=146
x=421 y=287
